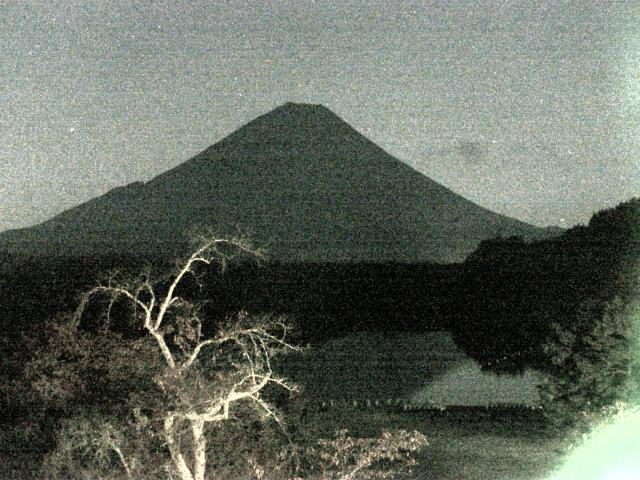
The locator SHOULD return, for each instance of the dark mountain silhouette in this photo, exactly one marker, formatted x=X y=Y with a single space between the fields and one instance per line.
x=298 y=180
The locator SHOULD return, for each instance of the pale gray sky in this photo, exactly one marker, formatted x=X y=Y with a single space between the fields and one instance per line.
x=529 y=108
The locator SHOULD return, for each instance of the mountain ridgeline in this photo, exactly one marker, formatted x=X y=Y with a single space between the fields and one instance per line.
x=301 y=182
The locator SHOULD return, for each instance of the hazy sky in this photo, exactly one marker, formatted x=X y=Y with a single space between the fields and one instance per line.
x=531 y=109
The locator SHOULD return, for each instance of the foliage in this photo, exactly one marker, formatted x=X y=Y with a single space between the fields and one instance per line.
x=511 y=292
x=595 y=364
x=347 y=458
x=98 y=439
x=90 y=446
x=76 y=368
x=608 y=451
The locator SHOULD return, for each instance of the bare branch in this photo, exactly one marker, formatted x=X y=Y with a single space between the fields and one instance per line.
x=164 y=348
x=110 y=290
x=203 y=254
x=176 y=327
x=196 y=351
x=174 y=449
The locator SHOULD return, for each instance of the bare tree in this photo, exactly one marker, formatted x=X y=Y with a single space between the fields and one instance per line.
x=202 y=377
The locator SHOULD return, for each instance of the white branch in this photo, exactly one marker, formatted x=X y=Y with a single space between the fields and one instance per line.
x=196 y=351
x=164 y=348
x=255 y=342
x=118 y=451
x=174 y=450
x=200 y=446
x=196 y=257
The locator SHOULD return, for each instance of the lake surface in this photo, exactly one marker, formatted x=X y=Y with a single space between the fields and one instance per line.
x=419 y=368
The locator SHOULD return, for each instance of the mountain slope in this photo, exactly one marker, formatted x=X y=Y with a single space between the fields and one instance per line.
x=302 y=182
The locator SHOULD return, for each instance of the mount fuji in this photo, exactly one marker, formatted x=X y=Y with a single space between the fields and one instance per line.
x=301 y=182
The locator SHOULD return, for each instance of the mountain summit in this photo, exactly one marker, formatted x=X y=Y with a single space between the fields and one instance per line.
x=301 y=182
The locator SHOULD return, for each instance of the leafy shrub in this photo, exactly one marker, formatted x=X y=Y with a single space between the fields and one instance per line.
x=594 y=364
x=347 y=458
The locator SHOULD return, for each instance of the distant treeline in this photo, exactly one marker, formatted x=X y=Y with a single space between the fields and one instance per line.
x=322 y=300
x=499 y=304
x=514 y=291
x=329 y=300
